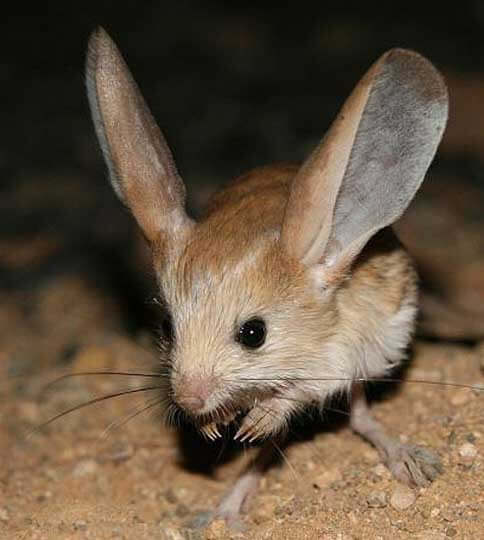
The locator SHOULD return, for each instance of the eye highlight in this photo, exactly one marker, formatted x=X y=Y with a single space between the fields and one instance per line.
x=252 y=334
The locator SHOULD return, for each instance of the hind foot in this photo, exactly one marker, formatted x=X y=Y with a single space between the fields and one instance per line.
x=412 y=465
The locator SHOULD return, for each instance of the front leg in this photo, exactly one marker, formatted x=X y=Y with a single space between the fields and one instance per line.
x=410 y=464
x=266 y=420
x=236 y=500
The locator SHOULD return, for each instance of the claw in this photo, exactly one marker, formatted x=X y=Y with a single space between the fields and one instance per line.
x=211 y=431
x=245 y=432
x=253 y=426
x=241 y=432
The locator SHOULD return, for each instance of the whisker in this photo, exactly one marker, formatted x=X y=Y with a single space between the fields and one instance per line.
x=291 y=431
x=470 y=421
x=285 y=459
x=136 y=411
x=100 y=372
x=369 y=379
x=92 y=402
x=173 y=414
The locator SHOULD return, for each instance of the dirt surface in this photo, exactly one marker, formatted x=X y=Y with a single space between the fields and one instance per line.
x=75 y=480
x=233 y=88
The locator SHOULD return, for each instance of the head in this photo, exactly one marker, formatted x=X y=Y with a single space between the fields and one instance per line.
x=243 y=319
x=246 y=315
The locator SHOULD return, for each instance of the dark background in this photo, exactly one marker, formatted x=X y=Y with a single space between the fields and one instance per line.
x=233 y=86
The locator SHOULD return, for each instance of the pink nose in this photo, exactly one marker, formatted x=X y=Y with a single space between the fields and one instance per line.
x=191 y=403
x=192 y=392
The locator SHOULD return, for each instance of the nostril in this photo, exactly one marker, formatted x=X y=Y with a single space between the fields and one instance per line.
x=191 y=403
x=193 y=392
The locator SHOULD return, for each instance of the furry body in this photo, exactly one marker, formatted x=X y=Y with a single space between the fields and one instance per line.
x=293 y=285
x=318 y=340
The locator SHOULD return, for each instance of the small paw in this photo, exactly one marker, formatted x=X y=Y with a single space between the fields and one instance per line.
x=413 y=465
x=205 y=520
x=257 y=424
x=200 y=520
x=233 y=520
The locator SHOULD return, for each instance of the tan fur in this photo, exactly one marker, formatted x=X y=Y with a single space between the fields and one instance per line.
x=307 y=251
x=232 y=267
x=283 y=244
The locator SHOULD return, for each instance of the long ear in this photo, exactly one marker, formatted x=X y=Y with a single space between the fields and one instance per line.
x=369 y=166
x=140 y=164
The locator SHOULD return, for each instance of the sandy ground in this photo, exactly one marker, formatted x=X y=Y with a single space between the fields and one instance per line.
x=138 y=480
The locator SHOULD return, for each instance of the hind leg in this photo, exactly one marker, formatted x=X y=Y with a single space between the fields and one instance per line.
x=408 y=463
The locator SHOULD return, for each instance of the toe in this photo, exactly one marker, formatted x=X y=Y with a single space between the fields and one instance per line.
x=413 y=465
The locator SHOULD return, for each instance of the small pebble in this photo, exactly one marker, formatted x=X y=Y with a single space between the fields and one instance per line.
x=42 y=497
x=467 y=452
x=371 y=455
x=180 y=493
x=4 y=515
x=182 y=510
x=326 y=478
x=402 y=497
x=85 y=467
x=478 y=389
x=92 y=357
x=354 y=520
x=434 y=512
x=461 y=397
x=117 y=534
x=147 y=493
x=79 y=525
x=452 y=438
x=380 y=470
x=451 y=532
x=170 y=496
x=377 y=499
x=173 y=534
x=448 y=514
x=51 y=474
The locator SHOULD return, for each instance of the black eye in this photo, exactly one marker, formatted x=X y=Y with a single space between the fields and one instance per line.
x=252 y=333
x=167 y=327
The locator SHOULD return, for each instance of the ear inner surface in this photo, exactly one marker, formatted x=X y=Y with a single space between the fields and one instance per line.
x=141 y=168
x=397 y=138
x=372 y=161
x=309 y=212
